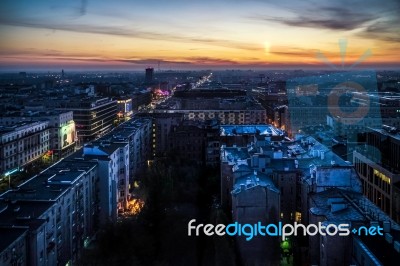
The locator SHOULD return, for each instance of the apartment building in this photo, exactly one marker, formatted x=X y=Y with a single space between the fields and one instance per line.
x=58 y=208
x=23 y=143
x=378 y=164
x=61 y=128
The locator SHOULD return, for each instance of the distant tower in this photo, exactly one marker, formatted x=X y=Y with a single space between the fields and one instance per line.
x=262 y=76
x=149 y=75
x=62 y=73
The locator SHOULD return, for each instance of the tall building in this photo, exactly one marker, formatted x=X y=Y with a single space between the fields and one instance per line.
x=113 y=163
x=378 y=164
x=137 y=133
x=93 y=116
x=59 y=209
x=149 y=75
x=161 y=128
x=13 y=248
x=334 y=206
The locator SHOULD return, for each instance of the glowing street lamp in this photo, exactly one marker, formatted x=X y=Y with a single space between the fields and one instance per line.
x=9 y=173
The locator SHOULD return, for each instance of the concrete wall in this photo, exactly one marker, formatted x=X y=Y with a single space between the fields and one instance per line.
x=253 y=205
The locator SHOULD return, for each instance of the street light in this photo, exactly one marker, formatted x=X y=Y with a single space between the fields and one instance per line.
x=9 y=176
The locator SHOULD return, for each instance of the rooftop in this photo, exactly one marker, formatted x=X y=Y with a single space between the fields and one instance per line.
x=24 y=213
x=388 y=131
x=19 y=126
x=29 y=113
x=50 y=184
x=233 y=130
x=252 y=180
x=233 y=154
x=100 y=148
x=10 y=235
x=342 y=205
x=125 y=130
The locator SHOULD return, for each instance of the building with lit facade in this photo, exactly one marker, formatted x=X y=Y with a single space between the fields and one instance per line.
x=378 y=164
x=314 y=185
x=333 y=206
x=228 y=106
x=113 y=164
x=60 y=124
x=124 y=108
x=160 y=130
x=93 y=116
x=22 y=143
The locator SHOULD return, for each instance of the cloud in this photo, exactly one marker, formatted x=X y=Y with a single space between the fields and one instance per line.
x=333 y=18
x=41 y=53
x=182 y=61
x=383 y=30
x=212 y=61
x=74 y=11
x=151 y=61
x=125 y=31
x=227 y=43
x=292 y=51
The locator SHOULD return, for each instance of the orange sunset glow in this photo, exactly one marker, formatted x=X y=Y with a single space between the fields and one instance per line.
x=195 y=34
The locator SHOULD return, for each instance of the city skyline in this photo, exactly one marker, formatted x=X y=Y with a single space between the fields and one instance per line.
x=131 y=35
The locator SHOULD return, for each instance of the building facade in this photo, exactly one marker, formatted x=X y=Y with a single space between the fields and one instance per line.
x=377 y=163
x=93 y=116
x=59 y=208
x=23 y=143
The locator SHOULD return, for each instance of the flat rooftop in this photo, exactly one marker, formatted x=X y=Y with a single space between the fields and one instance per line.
x=252 y=180
x=355 y=208
x=100 y=148
x=234 y=130
x=125 y=130
x=10 y=235
x=394 y=135
x=24 y=213
x=52 y=183
x=18 y=126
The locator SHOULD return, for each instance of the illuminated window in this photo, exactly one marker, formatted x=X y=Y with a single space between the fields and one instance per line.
x=382 y=176
x=298 y=217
